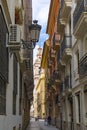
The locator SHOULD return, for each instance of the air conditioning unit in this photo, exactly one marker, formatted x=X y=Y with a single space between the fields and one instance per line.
x=14 y=37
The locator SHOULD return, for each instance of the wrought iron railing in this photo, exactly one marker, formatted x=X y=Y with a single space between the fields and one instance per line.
x=80 y=8
x=83 y=66
x=66 y=43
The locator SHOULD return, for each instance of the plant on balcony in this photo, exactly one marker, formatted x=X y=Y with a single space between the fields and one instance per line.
x=18 y=16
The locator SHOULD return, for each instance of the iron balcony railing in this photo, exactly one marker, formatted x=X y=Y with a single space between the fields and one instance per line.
x=83 y=66
x=80 y=8
x=66 y=43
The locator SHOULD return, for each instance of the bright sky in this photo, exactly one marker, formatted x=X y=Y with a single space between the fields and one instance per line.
x=40 y=13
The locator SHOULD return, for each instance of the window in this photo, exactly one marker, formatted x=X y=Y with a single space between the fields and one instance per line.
x=14 y=83
x=77 y=58
x=76 y=65
x=20 y=127
x=3 y=63
x=3 y=50
x=78 y=107
x=14 y=103
x=85 y=102
x=2 y=97
x=20 y=93
x=14 y=128
x=15 y=74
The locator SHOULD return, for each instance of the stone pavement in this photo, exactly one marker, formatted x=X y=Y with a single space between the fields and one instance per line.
x=39 y=125
x=33 y=126
x=44 y=127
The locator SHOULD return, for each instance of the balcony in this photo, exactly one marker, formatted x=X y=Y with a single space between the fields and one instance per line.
x=66 y=45
x=56 y=42
x=65 y=8
x=83 y=66
x=60 y=24
x=52 y=55
x=56 y=76
x=80 y=19
x=61 y=64
x=49 y=64
x=68 y=86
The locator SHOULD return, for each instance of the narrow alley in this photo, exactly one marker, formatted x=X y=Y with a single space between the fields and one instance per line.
x=43 y=64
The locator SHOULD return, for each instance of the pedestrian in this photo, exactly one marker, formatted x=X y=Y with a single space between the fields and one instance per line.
x=46 y=122
x=49 y=120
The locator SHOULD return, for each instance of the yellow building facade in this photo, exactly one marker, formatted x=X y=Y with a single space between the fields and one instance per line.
x=52 y=77
x=41 y=96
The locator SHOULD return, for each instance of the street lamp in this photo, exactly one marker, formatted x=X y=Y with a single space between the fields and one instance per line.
x=34 y=30
x=15 y=37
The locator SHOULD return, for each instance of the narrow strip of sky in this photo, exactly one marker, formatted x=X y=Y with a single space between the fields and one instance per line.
x=40 y=13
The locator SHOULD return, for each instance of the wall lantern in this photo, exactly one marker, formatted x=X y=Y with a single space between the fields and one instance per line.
x=34 y=30
x=15 y=40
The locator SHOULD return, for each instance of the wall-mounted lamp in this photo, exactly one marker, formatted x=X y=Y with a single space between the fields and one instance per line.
x=15 y=41
x=34 y=30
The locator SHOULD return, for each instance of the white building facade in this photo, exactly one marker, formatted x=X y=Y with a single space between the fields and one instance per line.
x=72 y=63
x=11 y=76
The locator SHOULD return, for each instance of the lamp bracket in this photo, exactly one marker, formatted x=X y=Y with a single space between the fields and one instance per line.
x=27 y=44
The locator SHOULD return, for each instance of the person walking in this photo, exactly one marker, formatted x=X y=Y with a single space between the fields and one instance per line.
x=49 y=120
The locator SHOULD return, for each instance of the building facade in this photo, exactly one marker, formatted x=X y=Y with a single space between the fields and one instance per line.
x=72 y=51
x=14 y=98
x=36 y=80
x=67 y=64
